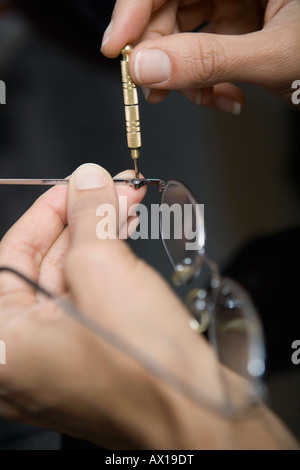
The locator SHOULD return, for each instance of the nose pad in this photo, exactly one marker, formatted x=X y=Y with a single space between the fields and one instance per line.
x=185 y=271
x=182 y=275
x=197 y=301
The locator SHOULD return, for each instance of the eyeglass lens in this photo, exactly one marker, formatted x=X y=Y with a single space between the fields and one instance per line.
x=235 y=329
x=182 y=227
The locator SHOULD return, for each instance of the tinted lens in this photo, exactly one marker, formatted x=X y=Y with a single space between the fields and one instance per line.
x=182 y=227
x=237 y=332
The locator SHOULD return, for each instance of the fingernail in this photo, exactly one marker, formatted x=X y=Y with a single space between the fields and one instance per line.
x=152 y=66
x=90 y=176
x=106 y=35
x=146 y=92
x=228 y=105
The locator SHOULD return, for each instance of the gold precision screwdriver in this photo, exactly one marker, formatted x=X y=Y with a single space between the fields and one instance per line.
x=133 y=127
x=132 y=113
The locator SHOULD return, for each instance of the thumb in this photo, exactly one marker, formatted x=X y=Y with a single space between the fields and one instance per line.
x=110 y=284
x=90 y=186
x=107 y=269
x=91 y=255
x=93 y=195
x=193 y=60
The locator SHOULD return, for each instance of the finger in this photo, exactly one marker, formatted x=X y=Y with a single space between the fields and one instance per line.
x=200 y=96
x=51 y=270
x=223 y=97
x=128 y=197
x=129 y=20
x=163 y=21
x=29 y=240
x=227 y=98
x=193 y=60
x=192 y=16
x=224 y=17
x=231 y=17
x=90 y=188
x=93 y=200
x=155 y=96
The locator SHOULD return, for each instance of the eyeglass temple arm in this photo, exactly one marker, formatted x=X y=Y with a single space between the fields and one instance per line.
x=134 y=183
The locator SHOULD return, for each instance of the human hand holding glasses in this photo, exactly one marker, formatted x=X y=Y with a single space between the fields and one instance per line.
x=155 y=383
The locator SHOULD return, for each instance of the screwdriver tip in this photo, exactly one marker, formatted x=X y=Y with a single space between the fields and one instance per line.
x=136 y=168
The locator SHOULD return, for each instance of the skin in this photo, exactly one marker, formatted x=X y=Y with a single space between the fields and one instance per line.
x=245 y=41
x=62 y=376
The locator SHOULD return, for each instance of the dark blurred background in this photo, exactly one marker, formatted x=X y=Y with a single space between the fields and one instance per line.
x=64 y=108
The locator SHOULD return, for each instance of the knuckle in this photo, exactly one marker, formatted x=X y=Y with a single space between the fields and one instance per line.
x=209 y=62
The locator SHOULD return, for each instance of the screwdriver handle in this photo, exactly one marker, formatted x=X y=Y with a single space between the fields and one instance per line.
x=131 y=103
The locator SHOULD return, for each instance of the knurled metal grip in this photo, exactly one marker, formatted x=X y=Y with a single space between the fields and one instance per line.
x=131 y=103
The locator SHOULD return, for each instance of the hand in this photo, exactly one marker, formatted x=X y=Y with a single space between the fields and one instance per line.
x=48 y=353
x=255 y=41
x=59 y=374
x=62 y=376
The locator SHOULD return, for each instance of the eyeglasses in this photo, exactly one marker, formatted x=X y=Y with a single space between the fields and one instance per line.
x=221 y=308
